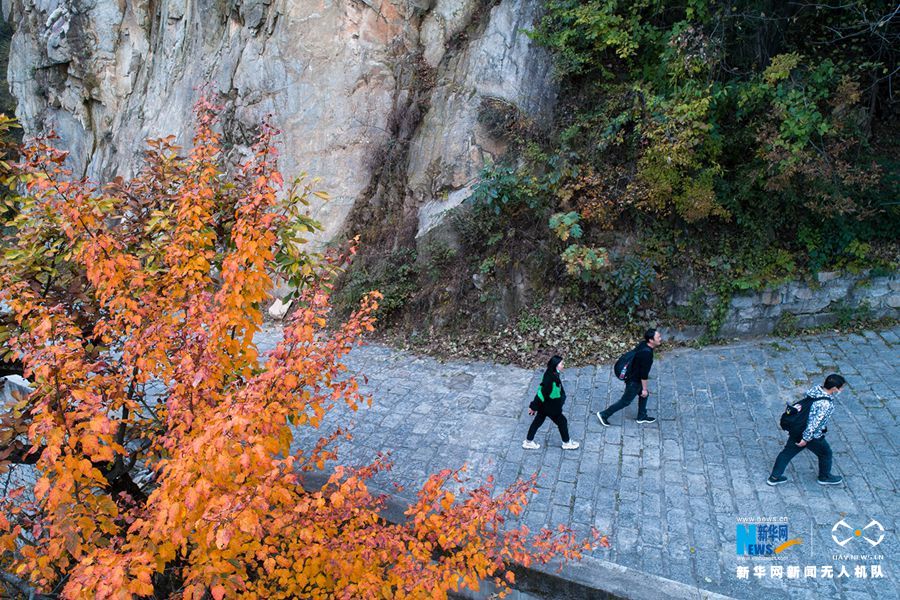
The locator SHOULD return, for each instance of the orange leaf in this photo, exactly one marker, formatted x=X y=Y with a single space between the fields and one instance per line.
x=447 y=501
x=41 y=487
x=223 y=536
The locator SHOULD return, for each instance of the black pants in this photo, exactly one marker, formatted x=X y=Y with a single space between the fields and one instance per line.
x=559 y=419
x=632 y=389
x=819 y=447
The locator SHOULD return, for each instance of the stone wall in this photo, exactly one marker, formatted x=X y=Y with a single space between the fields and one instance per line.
x=799 y=304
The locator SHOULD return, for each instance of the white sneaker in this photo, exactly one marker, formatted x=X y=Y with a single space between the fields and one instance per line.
x=529 y=445
x=570 y=445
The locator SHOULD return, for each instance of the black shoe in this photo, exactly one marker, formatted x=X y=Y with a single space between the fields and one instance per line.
x=603 y=421
x=646 y=419
x=830 y=480
x=776 y=480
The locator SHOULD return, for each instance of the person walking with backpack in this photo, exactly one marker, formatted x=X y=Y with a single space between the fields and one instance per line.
x=806 y=423
x=636 y=376
x=547 y=404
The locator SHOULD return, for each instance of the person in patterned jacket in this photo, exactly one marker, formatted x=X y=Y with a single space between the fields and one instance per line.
x=813 y=437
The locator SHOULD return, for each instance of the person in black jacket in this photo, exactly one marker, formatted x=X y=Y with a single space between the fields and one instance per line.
x=636 y=381
x=548 y=403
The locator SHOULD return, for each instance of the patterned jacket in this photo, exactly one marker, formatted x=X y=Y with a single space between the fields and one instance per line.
x=819 y=413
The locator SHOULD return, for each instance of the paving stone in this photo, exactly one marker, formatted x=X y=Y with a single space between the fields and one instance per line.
x=568 y=472
x=584 y=487
x=559 y=515
x=564 y=493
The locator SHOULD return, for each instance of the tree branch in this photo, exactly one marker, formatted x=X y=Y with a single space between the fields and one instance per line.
x=21 y=586
x=18 y=453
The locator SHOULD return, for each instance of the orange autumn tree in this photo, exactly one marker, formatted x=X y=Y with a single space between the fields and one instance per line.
x=161 y=438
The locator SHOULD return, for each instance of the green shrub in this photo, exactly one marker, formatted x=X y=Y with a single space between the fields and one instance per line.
x=631 y=283
x=395 y=276
x=760 y=267
x=566 y=225
x=476 y=227
x=508 y=189
x=487 y=265
x=440 y=256
x=586 y=263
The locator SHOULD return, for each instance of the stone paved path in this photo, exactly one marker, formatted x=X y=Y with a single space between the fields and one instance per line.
x=668 y=494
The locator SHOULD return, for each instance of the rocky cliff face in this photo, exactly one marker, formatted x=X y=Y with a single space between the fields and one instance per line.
x=355 y=85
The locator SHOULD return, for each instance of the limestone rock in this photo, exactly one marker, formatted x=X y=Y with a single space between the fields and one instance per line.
x=106 y=75
x=279 y=309
x=12 y=388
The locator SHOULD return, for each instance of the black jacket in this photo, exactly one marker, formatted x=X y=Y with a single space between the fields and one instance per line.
x=642 y=363
x=553 y=393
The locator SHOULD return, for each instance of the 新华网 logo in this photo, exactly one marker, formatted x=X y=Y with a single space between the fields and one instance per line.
x=842 y=533
x=763 y=539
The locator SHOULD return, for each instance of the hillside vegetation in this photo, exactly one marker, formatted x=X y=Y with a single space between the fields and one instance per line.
x=722 y=146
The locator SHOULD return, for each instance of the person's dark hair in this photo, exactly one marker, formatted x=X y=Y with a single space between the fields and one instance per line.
x=551 y=375
x=834 y=381
x=553 y=363
x=649 y=334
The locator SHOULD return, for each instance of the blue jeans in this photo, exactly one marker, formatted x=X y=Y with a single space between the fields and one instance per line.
x=632 y=389
x=818 y=446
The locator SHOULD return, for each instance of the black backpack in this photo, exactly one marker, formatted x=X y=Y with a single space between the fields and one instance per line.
x=623 y=365
x=794 y=420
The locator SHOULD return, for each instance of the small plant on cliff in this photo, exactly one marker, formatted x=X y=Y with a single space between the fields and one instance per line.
x=583 y=262
x=135 y=311
x=566 y=225
x=508 y=190
x=631 y=282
